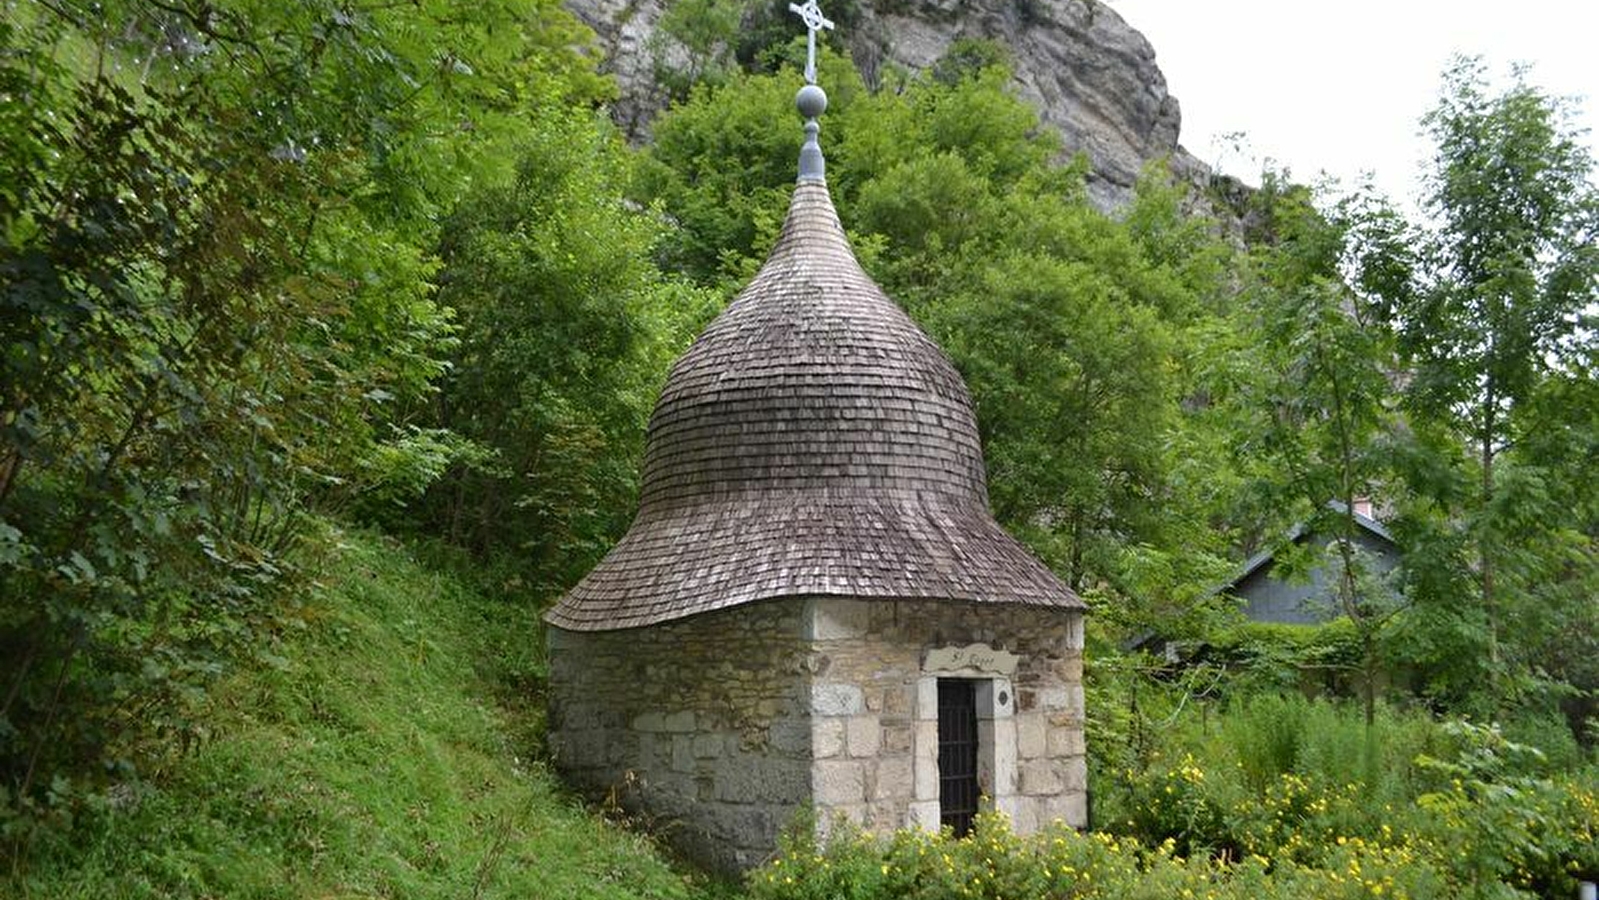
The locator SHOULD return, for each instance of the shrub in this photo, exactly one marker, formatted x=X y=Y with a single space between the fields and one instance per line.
x=1307 y=785
x=1059 y=862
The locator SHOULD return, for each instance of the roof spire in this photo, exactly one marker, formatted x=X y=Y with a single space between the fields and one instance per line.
x=811 y=99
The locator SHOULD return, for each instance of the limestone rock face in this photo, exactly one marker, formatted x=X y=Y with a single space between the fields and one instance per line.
x=1091 y=75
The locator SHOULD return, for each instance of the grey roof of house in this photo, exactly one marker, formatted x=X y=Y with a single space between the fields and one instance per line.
x=812 y=441
x=1294 y=534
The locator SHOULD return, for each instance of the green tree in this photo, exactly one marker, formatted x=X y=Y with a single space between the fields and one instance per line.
x=217 y=224
x=1076 y=397
x=1322 y=405
x=722 y=165
x=704 y=33
x=1491 y=317
x=566 y=329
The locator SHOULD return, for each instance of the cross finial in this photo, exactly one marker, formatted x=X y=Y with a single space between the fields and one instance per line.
x=811 y=14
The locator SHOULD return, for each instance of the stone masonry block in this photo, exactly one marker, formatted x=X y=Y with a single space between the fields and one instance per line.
x=748 y=825
x=831 y=816
x=1038 y=777
x=1021 y=811
x=926 y=780
x=927 y=698
x=1055 y=699
x=746 y=779
x=923 y=814
x=682 y=753
x=790 y=737
x=1031 y=741
x=839 y=783
x=827 y=738
x=1074 y=772
x=833 y=618
x=1070 y=808
x=996 y=699
x=899 y=701
x=1066 y=740
x=886 y=815
x=865 y=736
x=1070 y=669
x=897 y=739
x=893 y=779
x=1004 y=744
x=836 y=699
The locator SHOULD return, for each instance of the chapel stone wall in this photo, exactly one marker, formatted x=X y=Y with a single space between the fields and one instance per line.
x=874 y=716
x=699 y=724
x=721 y=727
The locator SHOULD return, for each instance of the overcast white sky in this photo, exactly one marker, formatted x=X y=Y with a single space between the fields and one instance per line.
x=1339 y=85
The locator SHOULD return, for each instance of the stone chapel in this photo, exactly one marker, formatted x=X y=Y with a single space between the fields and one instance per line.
x=814 y=607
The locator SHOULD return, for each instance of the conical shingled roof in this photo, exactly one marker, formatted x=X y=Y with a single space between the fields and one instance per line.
x=812 y=441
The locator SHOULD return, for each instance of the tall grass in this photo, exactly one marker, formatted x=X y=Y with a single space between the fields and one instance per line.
x=1268 y=735
x=386 y=749
x=1281 y=776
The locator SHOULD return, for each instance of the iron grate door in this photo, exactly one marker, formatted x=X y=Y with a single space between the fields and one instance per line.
x=957 y=754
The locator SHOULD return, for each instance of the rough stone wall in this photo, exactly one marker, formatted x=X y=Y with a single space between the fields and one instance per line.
x=701 y=724
x=874 y=709
x=722 y=726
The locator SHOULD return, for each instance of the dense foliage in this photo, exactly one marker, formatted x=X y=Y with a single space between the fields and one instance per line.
x=220 y=251
x=269 y=262
x=1267 y=796
x=565 y=329
x=1493 y=316
x=1296 y=838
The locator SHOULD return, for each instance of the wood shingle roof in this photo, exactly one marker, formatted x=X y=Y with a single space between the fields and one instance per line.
x=812 y=441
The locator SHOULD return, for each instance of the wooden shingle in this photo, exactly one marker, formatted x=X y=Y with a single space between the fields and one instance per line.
x=812 y=441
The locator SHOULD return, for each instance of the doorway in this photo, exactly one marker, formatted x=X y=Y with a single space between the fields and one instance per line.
x=958 y=790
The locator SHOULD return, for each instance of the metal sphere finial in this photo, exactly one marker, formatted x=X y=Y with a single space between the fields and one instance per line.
x=811 y=101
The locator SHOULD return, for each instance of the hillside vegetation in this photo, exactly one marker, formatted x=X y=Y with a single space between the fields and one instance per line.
x=266 y=265
x=388 y=747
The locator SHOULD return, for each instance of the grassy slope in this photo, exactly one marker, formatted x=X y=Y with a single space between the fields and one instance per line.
x=372 y=761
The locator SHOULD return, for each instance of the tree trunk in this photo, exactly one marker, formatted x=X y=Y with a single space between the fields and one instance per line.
x=1369 y=652
x=1350 y=588
x=1485 y=555
x=1074 y=578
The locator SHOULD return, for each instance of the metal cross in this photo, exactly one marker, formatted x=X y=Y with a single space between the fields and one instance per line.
x=814 y=22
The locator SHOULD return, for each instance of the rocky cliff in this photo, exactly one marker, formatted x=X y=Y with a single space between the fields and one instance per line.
x=1091 y=75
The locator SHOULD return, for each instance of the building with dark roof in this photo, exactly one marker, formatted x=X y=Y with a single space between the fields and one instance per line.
x=1311 y=598
x=814 y=607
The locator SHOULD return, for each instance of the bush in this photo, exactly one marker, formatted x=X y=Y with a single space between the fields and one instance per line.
x=1522 y=838
x=1498 y=822
x=1059 y=862
x=1307 y=784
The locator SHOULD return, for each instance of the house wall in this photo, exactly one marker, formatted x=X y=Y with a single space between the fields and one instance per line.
x=1268 y=598
x=719 y=728
x=874 y=708
x=700 y=725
